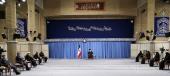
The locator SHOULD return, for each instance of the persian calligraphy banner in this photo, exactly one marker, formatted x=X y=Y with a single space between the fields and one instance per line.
x=22 y=27
x=161 y=26
x=90 y=28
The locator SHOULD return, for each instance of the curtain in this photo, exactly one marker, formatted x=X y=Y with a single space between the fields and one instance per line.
x=101 y=50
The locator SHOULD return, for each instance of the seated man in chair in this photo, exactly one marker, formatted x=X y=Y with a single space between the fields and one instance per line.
x=28 y=57
x=146 y=56
x=1 y=50
x=7 y=64
x=21 y=61
x=166 y=59
x=140 y=55
x=41 y=54
x=36 y=56
x=90 y=54
x=155 y=59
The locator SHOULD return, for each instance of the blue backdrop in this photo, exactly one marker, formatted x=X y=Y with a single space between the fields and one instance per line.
x=90 y=28
x=102 y=50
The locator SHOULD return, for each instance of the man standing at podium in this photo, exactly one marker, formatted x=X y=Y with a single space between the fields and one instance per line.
x=79 y=53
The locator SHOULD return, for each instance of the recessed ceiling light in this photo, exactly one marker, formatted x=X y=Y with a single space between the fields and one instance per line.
x=23 y=0
x=2 y=2
x=131 y=21
x=19 y=4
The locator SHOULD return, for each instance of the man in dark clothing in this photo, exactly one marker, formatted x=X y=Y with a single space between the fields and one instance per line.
x=36 y=56
x=140 y=55
x=162 y=63
x=28 y=57
x=21 y=61
x=1 y=50
x=7 y=64
x=41 y=54
x=90 y=54
x=148 y=56
x=155 y=59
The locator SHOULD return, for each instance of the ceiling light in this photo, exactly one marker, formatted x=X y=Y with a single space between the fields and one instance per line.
x=19 y=4
x=2 y=2
x=23 y=0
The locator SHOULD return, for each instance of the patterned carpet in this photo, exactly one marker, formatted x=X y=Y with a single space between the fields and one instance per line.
x=101 y=67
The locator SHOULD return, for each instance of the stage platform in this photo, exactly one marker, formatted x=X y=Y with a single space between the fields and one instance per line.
x=100 y=67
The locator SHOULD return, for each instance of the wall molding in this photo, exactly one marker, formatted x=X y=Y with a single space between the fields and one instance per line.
x=90 y=39
x=152 y=41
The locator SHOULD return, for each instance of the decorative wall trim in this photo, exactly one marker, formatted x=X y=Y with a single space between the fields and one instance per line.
x=12 y=41
x=90 y=39
x=97 y=17
x=153 y=42
x=97 y=5
x=2 y=42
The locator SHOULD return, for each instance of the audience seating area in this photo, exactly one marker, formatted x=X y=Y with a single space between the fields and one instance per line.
x=4 y=71
x=22 y=63
x=163 y=62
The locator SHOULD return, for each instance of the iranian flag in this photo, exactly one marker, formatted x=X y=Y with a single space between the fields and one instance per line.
x=79 y=53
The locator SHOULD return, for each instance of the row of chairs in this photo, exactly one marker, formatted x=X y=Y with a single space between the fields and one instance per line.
x=22 y=64
x=4 y=71
x=156 y=60
x=30 y=61
x=6 y=67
